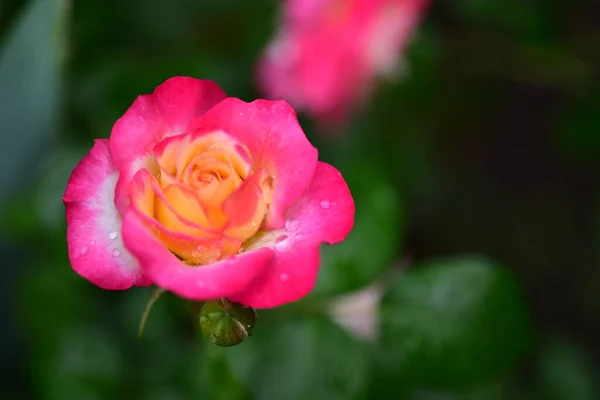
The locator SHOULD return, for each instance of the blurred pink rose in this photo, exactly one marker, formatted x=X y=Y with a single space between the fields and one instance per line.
x=327 y=53
x=206 y=196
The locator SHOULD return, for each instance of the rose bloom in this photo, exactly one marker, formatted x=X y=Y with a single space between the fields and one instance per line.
x=206 y=196
x=327 y=53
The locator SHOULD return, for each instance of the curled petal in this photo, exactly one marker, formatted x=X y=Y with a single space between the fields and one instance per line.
x=175 y=153
x=247 y=206
x=275 y=141
x=95 y=245
x=324 y=214
x=153 y=117
x=220 y=279
x=194 y=243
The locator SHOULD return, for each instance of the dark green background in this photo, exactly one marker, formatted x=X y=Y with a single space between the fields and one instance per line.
x=476 y=180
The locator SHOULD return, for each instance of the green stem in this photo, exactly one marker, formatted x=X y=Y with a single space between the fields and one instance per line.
x=156 y=293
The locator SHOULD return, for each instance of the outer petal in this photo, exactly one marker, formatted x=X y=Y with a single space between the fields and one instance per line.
x=275 y=140
x=223 y=278
x=95 y=246
x=325 y=213
x=151 y=118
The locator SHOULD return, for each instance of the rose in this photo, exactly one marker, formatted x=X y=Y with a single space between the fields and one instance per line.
x=327 y=53
x=205 y=196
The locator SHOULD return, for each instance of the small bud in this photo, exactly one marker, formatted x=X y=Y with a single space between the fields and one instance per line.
x=225 y=323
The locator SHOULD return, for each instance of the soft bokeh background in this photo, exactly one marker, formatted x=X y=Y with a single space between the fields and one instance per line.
x=475 y=178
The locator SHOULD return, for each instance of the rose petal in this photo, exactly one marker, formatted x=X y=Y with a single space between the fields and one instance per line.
x=153 y=117
x=192 y=242
x=220 y=279
x=246 y=207
x=324 y=214
x=95 y=246
x=275 y=140
x=175 y=153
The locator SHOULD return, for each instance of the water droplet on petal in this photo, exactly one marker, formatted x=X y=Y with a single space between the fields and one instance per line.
x=292 y=224
x=284 y=277
x=93 y=242
x=84 y=250
x=298 y=236
x=116 y=253
x=280 y=242
x=325 y=204
x=112 y=235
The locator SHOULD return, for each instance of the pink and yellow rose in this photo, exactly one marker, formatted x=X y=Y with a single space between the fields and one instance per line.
x=205 y=196
x=327 y=53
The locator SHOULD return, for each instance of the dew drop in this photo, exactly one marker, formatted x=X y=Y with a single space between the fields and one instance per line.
x=298 y=236
x=112 y=235
x=280 y=243
x=284 y=277
x=325 y=204
x=292 y=224
x=84 y=250
x=116 y=253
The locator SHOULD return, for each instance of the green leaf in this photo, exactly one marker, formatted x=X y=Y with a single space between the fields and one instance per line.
x=45 y=299
x=494 y=391
x=84 y=364
x=301 y=359
x=577 y=131
x=29 y=78
x=454 y=323
x=375 y=240
x=523 y=18
x=566 y=371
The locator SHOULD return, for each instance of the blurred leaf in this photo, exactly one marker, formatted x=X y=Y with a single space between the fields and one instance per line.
x=577 y=131
x=454 y=323
x=375 y=240
x=495 y=391
x=197 y=372
x=29 y=87
x=566 y=371
x=39 y=208
x=303 y=359
x=50 y=297
x=84 y=364
x=161 y=324
x=522 y=17
x=160 y=360
x=55 y=173
x=222 y=383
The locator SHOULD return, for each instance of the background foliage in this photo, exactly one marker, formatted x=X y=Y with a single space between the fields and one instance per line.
x=475 y=178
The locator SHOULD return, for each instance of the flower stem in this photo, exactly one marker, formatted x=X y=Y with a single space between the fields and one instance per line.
x=156 y=293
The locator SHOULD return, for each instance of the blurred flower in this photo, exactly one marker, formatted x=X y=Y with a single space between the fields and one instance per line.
x=358 y=312
x=205 y=196
x=327 y=53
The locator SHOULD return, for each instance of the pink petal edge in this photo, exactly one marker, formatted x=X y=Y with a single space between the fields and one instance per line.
x=324 y=214
x=95 y=246
x=153 y=117
x=221 y=279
